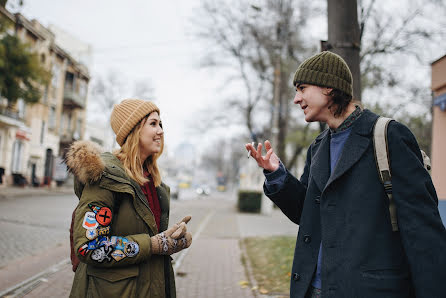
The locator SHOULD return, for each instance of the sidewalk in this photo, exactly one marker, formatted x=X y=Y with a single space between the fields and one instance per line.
x=10 y=192
x=212 y=266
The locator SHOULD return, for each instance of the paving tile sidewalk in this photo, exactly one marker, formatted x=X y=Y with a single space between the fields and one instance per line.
x=213 y=266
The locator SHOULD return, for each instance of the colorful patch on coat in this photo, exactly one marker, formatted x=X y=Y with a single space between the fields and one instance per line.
x=90 y=221
x=83 y=250
x=102 y=231
x=91 y=234
x=118 y=242
x=118 y=255
x=131 y=249
x=104 y=216
x=101 y=254
x=99 y=241
x=94 y=208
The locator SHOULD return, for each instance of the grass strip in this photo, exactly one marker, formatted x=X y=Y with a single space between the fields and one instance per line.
x=271 y=260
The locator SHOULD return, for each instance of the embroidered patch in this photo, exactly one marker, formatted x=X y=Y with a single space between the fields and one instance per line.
x=131 y=249
x=94 y=208
x=102 y=231
x=118 y=255
x=83 y=250
x=118 y=242
x=100 y=254
x=91 y=234
x=99 y=241
x=104 y=216
x=90 y=221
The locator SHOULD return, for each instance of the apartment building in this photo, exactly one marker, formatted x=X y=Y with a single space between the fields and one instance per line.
x=439 y=127
x=33 y=136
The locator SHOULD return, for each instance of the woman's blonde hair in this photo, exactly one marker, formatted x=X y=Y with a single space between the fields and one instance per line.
x=129 y=155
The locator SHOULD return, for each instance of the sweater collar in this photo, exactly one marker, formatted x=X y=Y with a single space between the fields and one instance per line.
x=348 y=122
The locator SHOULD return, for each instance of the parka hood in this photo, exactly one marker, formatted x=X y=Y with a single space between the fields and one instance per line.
x=84 y=160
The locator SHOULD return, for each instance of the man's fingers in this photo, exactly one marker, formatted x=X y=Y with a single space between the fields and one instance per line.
x=268 y=154
x=259 y=149
x=267 y=145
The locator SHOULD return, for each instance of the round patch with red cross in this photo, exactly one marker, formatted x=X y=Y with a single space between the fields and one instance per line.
x=104 y=216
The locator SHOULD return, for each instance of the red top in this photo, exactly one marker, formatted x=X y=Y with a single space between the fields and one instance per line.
x=149 y=191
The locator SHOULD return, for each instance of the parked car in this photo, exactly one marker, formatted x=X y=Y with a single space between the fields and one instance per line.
x=203 y=190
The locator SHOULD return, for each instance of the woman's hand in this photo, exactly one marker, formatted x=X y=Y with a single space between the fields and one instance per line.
x=172 y=240
x=270 y=161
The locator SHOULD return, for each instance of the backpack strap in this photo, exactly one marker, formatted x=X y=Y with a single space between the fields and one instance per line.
x=381 y=150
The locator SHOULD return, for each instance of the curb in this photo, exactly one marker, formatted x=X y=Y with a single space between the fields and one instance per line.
x=21 y=193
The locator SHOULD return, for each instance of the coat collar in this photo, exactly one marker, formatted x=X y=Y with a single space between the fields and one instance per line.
x=356 y=145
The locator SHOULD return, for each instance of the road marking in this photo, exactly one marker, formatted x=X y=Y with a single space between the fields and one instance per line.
x=201 y=227
x=26 y=286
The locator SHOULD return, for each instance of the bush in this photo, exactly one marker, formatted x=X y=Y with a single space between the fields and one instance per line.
x=249 y=201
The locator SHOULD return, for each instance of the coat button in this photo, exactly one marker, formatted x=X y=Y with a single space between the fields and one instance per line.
x=317 y=200
x=296 y=276
x=307 y=238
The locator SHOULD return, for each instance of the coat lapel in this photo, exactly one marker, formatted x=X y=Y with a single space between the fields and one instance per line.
x=320 y=160
x=355 y=146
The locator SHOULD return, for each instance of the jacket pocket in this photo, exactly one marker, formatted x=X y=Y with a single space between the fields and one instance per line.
x=387 y=282
x=112 y=282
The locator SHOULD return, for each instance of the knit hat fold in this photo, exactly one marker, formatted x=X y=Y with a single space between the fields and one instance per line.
x=127 y=114
x=325 y=69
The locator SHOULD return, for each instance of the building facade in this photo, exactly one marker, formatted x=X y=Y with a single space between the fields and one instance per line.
x=439 y=127
x=32 y=136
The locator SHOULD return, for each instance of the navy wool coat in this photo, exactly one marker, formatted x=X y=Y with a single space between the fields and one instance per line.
x=348 y=211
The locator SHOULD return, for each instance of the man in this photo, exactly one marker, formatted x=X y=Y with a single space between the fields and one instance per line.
x=346 y=246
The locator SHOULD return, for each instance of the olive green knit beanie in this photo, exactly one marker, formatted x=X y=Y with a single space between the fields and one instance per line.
x=325 y=69
x=127 y=114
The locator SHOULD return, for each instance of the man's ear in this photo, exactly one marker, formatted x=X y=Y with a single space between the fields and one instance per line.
x=327 y=91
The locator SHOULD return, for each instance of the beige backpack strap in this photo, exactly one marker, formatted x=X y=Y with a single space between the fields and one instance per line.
x=383 y=165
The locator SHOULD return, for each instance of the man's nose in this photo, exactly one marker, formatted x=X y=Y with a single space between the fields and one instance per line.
x=297 y=98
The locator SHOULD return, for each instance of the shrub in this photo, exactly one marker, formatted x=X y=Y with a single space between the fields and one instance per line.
x=249 y=201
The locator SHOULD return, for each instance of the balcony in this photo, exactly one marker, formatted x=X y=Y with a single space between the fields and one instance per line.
x=73 y=100
x=11 y=117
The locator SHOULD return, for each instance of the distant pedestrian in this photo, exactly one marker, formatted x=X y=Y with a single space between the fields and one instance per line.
x=346 y=246
x=120 y=225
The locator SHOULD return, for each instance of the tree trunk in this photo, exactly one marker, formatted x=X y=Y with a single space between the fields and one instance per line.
x=344 y=37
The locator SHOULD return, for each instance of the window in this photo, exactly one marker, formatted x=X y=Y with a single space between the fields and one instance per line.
x=21 y=108
x=55 y=78
x=16 y=156
x=42 y=133
x=83 y=89
x=52 y=118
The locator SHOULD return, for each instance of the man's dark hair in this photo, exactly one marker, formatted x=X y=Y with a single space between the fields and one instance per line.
x=340 y=101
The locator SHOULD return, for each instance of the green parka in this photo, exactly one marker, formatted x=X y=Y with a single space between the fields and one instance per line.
x=108 y=270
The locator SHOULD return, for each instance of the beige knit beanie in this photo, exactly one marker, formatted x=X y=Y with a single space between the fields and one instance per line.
x=127 y=114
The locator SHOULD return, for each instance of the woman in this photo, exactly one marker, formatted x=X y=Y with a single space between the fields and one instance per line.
x=120 y=230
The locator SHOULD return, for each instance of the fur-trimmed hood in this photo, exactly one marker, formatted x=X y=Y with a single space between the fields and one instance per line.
x=84 y=160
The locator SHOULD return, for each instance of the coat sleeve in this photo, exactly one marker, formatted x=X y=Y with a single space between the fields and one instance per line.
x=291 y=196
x=422 y=232
x=93 y=242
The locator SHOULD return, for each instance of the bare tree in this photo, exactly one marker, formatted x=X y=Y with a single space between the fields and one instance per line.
x=261 y=45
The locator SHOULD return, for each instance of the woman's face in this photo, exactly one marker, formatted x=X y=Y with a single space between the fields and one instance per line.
x=151 y=135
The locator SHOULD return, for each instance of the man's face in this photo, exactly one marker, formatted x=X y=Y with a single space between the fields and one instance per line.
x=314 y=101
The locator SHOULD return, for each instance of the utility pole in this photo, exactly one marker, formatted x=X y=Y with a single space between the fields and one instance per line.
x=344 y=37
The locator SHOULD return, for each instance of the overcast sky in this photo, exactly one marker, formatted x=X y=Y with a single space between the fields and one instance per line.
x=141 y=40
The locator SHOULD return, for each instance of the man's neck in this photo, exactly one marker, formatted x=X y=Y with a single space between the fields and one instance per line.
x=335 y=122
